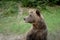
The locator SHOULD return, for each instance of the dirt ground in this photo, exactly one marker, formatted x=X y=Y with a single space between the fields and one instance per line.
x=10 y=37
x=51 y=36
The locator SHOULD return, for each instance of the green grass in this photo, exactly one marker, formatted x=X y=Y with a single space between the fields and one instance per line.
x=52 y=18
x=8 y=8
x=16 y=25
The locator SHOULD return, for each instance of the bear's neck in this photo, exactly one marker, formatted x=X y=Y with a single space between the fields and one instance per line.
x=39 y=25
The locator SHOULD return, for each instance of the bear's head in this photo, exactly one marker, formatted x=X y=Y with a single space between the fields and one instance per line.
x=33 y=17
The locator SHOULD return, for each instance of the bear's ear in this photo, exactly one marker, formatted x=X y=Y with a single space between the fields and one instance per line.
x=38 y=12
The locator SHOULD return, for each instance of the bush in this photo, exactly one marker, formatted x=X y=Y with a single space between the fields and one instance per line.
x=35 y=3
x=9 y=8
x=31 y=3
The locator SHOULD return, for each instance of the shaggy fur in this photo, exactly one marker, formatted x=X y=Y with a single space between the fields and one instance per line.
x=39 y=30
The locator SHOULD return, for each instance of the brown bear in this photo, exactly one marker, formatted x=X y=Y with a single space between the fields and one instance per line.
x=39 y=29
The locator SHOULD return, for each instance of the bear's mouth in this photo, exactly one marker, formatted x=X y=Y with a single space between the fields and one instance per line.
x=27 y=21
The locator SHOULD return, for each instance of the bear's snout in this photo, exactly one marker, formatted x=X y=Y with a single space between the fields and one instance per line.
x=24 y=18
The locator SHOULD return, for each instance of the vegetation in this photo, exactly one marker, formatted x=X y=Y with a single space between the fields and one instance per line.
x=35 y=3
x=11 y=22
x=8 y=8
x=15 y=24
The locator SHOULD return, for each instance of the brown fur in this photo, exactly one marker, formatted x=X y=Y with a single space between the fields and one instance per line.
x=39 y=30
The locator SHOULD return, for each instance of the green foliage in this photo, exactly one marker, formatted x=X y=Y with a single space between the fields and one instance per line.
x=9 y=0
x=53 y=1
x=35 y=3
x=17 y=25
x=8 y=8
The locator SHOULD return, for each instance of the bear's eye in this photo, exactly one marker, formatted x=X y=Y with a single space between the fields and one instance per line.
x=30 y=15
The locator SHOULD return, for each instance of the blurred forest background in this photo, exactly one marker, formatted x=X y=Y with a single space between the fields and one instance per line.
x=12 y=13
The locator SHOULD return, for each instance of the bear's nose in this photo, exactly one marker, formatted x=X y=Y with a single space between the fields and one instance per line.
x=24 y=18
